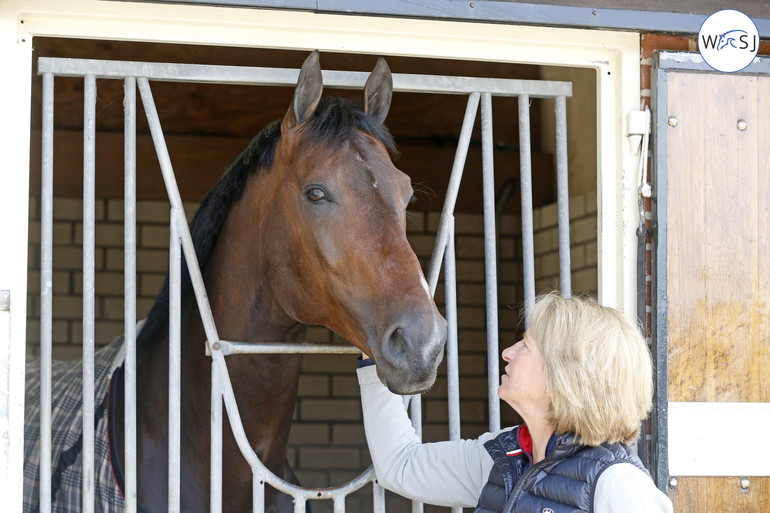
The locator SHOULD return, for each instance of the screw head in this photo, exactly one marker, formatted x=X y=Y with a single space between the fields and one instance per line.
x=216 y=346
x=742 y=125
x=672 y=121
x=745 y=483
x=673 y=482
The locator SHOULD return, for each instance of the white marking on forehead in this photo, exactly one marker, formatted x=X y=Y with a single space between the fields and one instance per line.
x=374 y=184
x=359 y=157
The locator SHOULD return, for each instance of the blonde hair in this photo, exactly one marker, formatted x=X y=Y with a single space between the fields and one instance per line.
x=598 y=369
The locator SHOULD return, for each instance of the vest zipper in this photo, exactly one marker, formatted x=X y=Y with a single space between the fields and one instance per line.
x=520 y=483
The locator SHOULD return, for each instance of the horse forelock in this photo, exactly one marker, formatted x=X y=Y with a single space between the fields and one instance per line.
x=336 y=121
x=339 y=120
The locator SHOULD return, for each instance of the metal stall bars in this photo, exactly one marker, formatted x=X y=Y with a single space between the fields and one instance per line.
x=479 y=90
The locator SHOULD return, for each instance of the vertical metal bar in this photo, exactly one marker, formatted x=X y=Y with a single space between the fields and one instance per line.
x=129 y=293
x=216 y=442
x=378 y=498
x=89 y=200
x=527 y=237
x=453 y=378
x=46 y=297
x=452 y=358
x=174 y=365
x=562 y=187
x=660 y=213
x=299 y=505
x=339 y=505
x=453 y=188
x=257 y=493
x=415 y=413
x=490 y=259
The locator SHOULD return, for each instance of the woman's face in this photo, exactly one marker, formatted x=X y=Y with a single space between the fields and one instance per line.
x=523 y=384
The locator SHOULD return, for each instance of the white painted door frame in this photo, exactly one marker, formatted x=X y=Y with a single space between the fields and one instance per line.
x=614 y=56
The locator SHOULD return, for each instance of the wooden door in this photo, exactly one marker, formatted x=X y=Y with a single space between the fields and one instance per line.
x=717 y=289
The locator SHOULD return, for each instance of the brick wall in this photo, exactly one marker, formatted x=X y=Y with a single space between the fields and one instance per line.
x=327 y=444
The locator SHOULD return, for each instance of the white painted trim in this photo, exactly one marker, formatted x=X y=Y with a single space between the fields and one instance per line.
x=718 y=439
x=614 y=56
x=15 y=94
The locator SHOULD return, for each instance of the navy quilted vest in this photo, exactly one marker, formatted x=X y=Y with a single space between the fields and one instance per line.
x=564 y=482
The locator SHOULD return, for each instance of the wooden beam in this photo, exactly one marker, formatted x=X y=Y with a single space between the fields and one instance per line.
x=199 y=161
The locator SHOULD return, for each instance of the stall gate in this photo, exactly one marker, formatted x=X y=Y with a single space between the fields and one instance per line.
x=138 y=75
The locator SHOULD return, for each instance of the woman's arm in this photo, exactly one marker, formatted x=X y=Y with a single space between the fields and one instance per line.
x=444 y=473
x=625 y=488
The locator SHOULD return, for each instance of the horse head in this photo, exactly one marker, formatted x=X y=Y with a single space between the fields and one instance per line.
x=338 y=255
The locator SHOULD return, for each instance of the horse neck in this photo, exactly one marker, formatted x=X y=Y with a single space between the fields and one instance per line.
x=244 y=310
x=236 y=279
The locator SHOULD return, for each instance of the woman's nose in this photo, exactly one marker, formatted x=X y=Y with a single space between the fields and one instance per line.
x=507 y=352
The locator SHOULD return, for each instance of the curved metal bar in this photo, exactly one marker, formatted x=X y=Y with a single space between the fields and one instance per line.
x=256 y=464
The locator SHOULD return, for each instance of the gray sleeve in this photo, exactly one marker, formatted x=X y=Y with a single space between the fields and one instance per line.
x=625 y=488
x=448 y=473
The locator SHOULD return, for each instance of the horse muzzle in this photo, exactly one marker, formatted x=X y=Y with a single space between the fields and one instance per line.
x=410 y=352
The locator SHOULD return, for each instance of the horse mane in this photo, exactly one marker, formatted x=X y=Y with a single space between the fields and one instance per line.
x=336 y=121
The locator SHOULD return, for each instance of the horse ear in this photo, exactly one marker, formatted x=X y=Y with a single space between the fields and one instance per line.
x=307 y=94
x=378 y=91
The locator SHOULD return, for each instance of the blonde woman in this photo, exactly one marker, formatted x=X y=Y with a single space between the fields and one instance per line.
x=581 y=378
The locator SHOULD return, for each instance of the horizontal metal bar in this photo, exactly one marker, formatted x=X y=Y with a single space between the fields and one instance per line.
x=229 y=347
x=243 y=75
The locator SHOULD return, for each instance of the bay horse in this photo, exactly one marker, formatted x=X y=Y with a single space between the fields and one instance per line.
x=306 y=227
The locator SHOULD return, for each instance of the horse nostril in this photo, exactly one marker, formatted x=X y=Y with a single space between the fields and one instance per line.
x=395 y=347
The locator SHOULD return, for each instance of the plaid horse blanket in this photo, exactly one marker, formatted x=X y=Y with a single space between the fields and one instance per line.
x=67 y=436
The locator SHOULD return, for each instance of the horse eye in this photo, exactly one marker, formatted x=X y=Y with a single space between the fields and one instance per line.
x=315 y=194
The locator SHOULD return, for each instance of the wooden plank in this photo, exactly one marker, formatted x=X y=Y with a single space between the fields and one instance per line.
x=714 y=292
x=208 y=125
x=244 y=110
x=200 y=160
x=686 y=249
x=763 y=249
x=718 y=270
x=722 y=494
